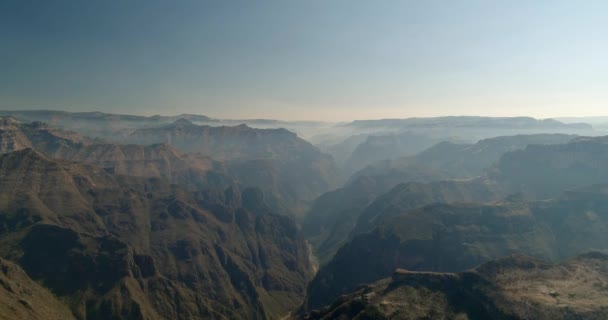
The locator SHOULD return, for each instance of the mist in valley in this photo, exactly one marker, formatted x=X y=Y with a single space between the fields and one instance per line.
x=303 y=160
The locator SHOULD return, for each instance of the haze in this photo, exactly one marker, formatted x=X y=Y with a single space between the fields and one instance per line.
x=303 y=160
x=307 y=60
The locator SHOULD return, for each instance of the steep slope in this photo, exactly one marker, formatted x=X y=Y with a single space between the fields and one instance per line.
x=15 y=135
x=115 y=128
x=125 y=247
x=11 y=138
x=274 y=159
x=227 y=143
x=334 y=215
x=394 y=138
x=457 y=161
x=380 y=147
x=160 y=160
x=110 y=127
x=408 y=196
x=342 y=140
x=23 y=298
x=516 y=287
x=288 y=182
x=455 y=237
x=543 y=171
x=340 y=148
x=338 y=214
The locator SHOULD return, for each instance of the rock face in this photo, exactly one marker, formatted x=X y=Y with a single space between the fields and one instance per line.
x=517 y=287
x=23 y=298
x=367 y=208
x=115 y=246
x=290 y=171
x=227 y=143
x=110 y=127
x=543 y=171
x=390 y=232
x=455 y=237
x=275 y=159
x=333 y=216
x=15 y=135
x=458 y=161
x=380 y=147
x=159 y=160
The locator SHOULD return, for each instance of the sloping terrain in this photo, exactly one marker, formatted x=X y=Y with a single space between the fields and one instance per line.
x=125 y=247
x=457 y=161
x=516 y=287
x=333 y=216
x=544 y=171
x=455 y=237
x=15 y=135
x=291 y=173
x=274 y=159
x=380 y=147
x=361 y=209
x=23 y=298
x=107 y=126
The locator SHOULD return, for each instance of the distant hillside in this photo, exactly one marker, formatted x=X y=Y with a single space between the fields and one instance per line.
x=511 y=123
x=458 y=161
x=111 y=127
x=455 y=237
x=238 y=142
x=516 y=287
x=543 y=171
x=115 y=127
x=381 y=147
x=275 y=159
x=290 y=171
x=334 y=215
x=394 y=138
x=15 y=135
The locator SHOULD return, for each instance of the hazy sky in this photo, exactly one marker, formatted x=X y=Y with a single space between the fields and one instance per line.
x=331 y=60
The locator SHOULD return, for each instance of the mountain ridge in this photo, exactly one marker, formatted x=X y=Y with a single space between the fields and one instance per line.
x=121 y=246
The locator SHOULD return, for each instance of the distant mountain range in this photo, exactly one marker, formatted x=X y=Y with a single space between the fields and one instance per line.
x=290 y=170
x=108 y=216
x=511 y=123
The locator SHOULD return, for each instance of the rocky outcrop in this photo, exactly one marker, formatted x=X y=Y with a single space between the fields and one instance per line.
x=517 y=287
x=455 y=237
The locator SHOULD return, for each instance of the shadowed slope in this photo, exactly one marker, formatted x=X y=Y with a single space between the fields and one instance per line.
x=127 y=247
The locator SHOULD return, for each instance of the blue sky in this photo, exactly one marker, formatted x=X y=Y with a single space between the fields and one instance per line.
x=313 y=60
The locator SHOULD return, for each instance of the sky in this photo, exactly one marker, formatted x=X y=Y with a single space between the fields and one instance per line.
x=329 y=60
